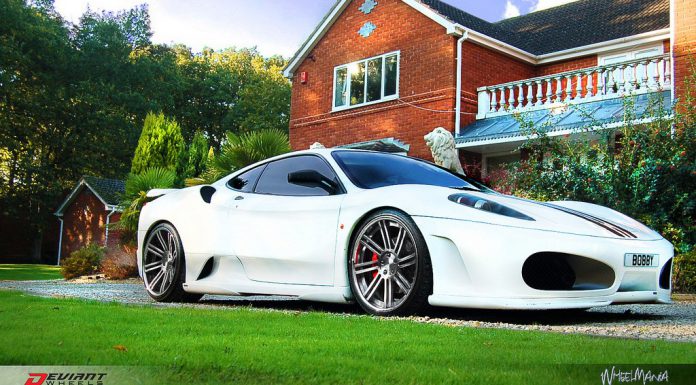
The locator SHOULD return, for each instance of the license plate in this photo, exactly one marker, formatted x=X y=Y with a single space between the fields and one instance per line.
x=641 y=260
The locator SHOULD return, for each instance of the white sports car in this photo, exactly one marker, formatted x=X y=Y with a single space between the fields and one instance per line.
x=393 y=233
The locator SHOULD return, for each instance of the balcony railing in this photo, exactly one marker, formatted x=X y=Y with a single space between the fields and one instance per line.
x=597 y=83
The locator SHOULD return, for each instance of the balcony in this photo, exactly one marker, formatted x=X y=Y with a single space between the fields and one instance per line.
x=635 y=77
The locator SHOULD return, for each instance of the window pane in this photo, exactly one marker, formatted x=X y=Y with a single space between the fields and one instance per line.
x=275 y=178
x=341 y=87
x=391 y=67
x=246 y=181
x=357 y=84
x=374 y=79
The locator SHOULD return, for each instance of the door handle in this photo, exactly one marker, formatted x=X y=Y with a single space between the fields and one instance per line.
x=239 y=198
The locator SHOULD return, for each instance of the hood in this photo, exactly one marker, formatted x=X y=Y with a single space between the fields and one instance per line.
x=565 y=217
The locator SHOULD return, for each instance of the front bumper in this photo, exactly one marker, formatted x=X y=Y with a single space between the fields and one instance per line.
x=479 y=265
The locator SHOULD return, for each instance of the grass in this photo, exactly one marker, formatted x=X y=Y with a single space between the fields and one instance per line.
x=18 y=272
x=242 y=345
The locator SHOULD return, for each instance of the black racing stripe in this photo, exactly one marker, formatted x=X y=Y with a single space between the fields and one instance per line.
x=615 y=229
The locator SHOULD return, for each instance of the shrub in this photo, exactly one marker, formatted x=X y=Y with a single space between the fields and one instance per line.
x=84 y=261
x=120 y=262
x=684 y=272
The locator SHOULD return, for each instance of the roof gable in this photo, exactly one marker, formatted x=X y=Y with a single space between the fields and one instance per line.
x=108 y=191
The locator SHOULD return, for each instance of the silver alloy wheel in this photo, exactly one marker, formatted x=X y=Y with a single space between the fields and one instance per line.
x=384 y=263
x=161 y=256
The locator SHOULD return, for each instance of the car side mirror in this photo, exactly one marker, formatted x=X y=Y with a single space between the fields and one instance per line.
x=313 y=178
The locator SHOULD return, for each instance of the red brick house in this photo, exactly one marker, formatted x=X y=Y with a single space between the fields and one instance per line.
x=387 y=72
x=86 y=213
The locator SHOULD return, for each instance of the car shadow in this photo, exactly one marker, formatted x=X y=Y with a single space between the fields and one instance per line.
x=600 y=315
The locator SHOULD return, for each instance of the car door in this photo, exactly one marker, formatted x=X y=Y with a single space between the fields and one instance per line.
x=286 y=232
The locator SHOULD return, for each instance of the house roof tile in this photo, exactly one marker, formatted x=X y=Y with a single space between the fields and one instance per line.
x=575 y=24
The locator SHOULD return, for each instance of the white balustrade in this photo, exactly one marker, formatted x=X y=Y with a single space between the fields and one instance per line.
x=588 y=84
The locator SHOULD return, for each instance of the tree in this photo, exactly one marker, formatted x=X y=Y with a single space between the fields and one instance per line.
x=135 y=196
x=239 y=151
x=160 y=145
x=197 y=159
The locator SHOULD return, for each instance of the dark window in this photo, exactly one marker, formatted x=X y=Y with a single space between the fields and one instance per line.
x=246 y=181
x=357 y=85
x=373 y=169
x=275 y=178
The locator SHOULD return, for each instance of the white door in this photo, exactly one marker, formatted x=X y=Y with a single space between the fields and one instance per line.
x=286 y=232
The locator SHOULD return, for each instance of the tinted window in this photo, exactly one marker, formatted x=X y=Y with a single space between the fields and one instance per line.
x=275 y=178
x=246 y=181
x=372 y=169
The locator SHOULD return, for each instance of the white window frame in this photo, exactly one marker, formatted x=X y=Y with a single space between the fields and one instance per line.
x=348 y=67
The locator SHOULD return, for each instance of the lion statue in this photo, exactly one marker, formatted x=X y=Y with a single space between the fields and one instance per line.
x=441 y=143
x=316 y=146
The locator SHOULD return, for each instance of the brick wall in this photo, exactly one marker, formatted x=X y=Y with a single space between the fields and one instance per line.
x=84 y=223
x=684 y=41
x=427 y=80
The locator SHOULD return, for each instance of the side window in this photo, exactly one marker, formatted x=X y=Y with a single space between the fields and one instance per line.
x=274 y=180
x=246 y=181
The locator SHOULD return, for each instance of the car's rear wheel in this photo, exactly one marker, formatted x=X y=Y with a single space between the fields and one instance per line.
x=164 y=270
x=389 y=266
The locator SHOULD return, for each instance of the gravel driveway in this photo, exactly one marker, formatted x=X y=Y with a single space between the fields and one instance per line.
x=676 y=322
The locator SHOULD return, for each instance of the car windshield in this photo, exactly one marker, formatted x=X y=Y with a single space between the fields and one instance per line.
x=374 y=169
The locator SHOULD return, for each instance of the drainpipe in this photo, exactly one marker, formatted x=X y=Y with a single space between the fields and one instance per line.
x=60 y=240
x=458 y=96
x=108 y=219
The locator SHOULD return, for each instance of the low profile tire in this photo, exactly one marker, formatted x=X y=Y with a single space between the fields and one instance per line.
x=164 y=269
x=389 y=266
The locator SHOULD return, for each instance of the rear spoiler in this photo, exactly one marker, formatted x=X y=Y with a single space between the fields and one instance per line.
x=158 y=192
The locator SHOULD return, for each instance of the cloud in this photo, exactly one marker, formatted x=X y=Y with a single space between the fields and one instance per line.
x=546 y=4
x=511 y=10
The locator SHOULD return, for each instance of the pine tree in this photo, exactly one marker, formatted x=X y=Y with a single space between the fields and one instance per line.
x=160 y=145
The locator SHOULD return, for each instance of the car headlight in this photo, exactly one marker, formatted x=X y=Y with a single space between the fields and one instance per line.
x=486 y=205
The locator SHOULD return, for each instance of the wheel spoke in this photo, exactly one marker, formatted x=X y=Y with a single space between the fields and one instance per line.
x=399 y=241
x=385 y=234
x=163 y=244
x=370 y=244
x=156 y=280
x=152 y=266
x=152 y=248
x=402 y=283
x=388 y=294
x=366 y=270
x=170 y=242
x=407 y=261
x=372 y=288
x=363 y=264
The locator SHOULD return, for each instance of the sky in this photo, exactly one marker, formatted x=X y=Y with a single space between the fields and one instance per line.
x=273 y=26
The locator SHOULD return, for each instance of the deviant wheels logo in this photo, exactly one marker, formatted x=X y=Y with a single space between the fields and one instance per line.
x=65 y=379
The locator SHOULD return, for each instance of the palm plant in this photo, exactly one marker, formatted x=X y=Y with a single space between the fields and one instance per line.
x=238 y=151
x=135 y=197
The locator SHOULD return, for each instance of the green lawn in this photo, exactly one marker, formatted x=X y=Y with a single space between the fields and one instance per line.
x=29 y=272
x=242 y=345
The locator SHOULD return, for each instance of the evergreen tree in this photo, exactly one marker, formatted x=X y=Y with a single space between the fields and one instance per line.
x=160 y=145
x=197 y=157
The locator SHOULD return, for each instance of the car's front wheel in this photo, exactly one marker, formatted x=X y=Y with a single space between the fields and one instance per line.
x=389 y=266
x=163 y=266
